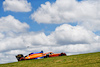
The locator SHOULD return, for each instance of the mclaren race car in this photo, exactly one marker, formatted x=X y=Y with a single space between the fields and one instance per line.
x=38 y=55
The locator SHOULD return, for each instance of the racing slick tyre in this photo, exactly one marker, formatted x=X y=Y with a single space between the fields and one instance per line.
x=19 y=56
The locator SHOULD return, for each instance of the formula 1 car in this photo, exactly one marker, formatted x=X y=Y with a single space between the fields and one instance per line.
x=38 y=55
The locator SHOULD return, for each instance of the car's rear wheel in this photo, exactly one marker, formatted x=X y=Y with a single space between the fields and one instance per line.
x=19 y=56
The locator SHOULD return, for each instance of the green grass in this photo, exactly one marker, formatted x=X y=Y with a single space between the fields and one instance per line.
x=82 y=60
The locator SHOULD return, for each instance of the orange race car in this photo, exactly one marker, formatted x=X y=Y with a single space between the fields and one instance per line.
x=38 y=55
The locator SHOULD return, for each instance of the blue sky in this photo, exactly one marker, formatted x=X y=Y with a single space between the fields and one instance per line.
x=70 y=26
x=25 y=16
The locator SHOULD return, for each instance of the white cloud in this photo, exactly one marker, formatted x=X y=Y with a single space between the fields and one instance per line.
x=15 y=35
x=1 y=36
x=67 y=34
x=63 y=35
x=10 y=24
x=37 y=39
x=10 y=30
x=86 y=13
x=17 y=5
